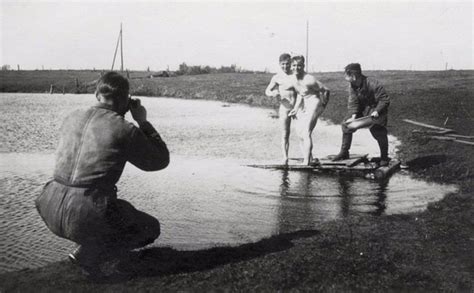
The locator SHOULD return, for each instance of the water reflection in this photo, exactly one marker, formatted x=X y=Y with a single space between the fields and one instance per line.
x=346 y=199
x=381 y=196
x=285 y=183
x=296 y=202
x=377 y=194
x=307 y=197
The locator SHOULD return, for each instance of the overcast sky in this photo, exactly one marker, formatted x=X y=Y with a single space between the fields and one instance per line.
x=418 y=35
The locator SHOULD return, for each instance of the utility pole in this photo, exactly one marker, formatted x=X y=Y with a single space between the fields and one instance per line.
x=119 y=40
x=121 y=48
x=307 y=41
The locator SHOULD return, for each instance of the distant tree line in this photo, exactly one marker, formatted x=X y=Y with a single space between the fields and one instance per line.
x=185 y=69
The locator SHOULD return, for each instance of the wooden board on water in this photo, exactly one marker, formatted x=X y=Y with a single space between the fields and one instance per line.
x=325 y=163
x=352 y=161
x=284 y=167
x=364 y=167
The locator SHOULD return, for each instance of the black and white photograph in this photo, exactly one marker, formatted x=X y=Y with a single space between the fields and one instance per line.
x=236 y=146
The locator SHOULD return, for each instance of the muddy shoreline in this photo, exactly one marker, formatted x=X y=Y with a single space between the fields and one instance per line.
x=428 y=251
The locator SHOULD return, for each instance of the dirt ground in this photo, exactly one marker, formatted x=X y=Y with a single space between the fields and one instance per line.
x=427 y=251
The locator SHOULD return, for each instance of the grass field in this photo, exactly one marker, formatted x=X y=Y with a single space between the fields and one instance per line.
x=427 y=251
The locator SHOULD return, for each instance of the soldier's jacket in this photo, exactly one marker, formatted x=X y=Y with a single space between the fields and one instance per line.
x=94 y=146
x=369 y=97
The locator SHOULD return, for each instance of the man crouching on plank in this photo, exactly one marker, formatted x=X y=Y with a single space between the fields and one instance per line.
x=366 y=97
x=80 y=203
x=312 y=98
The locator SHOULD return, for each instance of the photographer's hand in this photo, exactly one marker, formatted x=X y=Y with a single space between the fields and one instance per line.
x=138 y=111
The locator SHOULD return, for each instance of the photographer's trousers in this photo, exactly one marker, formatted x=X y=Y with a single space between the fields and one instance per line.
x=95 y=217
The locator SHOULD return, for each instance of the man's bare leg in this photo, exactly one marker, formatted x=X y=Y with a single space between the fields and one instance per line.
x=314 y=109
x=308 y=146
x=304 y=135
x=285 y=127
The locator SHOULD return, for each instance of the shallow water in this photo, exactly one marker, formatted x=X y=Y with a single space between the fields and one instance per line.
x=207 y=196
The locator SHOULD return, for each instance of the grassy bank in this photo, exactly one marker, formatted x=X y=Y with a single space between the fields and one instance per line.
x=427 y=251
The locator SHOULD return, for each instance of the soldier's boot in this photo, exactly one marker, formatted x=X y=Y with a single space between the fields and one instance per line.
x=345 y=146
x=383 y=145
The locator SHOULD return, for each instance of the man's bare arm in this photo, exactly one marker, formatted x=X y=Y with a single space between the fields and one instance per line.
x=272 y=88
x=325 y=92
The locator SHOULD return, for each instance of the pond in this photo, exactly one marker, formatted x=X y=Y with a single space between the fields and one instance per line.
x=207 y=196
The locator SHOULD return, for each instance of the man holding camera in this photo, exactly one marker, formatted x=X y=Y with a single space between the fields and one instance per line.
x=80 y=203
x=367 y=97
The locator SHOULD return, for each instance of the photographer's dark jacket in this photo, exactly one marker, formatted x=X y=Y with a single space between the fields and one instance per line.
x=94 y=146
x=369 y=97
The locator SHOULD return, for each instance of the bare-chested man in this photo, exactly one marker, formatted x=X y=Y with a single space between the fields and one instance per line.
x=282 y=85
x=312 y=98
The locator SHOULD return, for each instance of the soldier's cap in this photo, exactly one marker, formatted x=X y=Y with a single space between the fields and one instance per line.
x=353 y=67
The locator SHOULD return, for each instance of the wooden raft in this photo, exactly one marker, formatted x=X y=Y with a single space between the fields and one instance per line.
x=356 y=165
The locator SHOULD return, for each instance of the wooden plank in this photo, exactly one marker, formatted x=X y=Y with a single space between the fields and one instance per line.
x=357 y=161
x=299 y=160
x=442 y=138
x=461 y=136
x=447 y=133
x=360 y=169
x=432 y=132
x=365 y=167
x=464 y=142
x=352 y=161
x=369 y=170
x=284 y=167
x=453 y=139
x=428 y=125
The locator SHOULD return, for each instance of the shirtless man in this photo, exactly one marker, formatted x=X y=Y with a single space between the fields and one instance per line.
x=281 y=85
x=312 y=98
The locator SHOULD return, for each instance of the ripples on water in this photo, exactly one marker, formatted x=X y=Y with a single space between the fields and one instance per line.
x=207 y=196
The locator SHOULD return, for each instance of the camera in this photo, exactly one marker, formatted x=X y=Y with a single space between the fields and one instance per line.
x=133 y=103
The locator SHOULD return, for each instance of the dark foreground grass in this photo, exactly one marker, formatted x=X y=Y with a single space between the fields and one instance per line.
x=427 y=251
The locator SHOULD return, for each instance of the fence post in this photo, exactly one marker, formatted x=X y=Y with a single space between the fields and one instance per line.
x=51 y=89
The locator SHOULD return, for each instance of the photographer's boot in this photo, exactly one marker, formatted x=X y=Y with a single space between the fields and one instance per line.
x=88 y=259
x=345 y=146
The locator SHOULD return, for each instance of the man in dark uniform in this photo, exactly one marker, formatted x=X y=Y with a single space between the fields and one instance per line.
x=366 y=97
x=80 y=203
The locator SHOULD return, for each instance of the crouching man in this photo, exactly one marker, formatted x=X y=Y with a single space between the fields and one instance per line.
x=80 y=203
x=366 y=97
